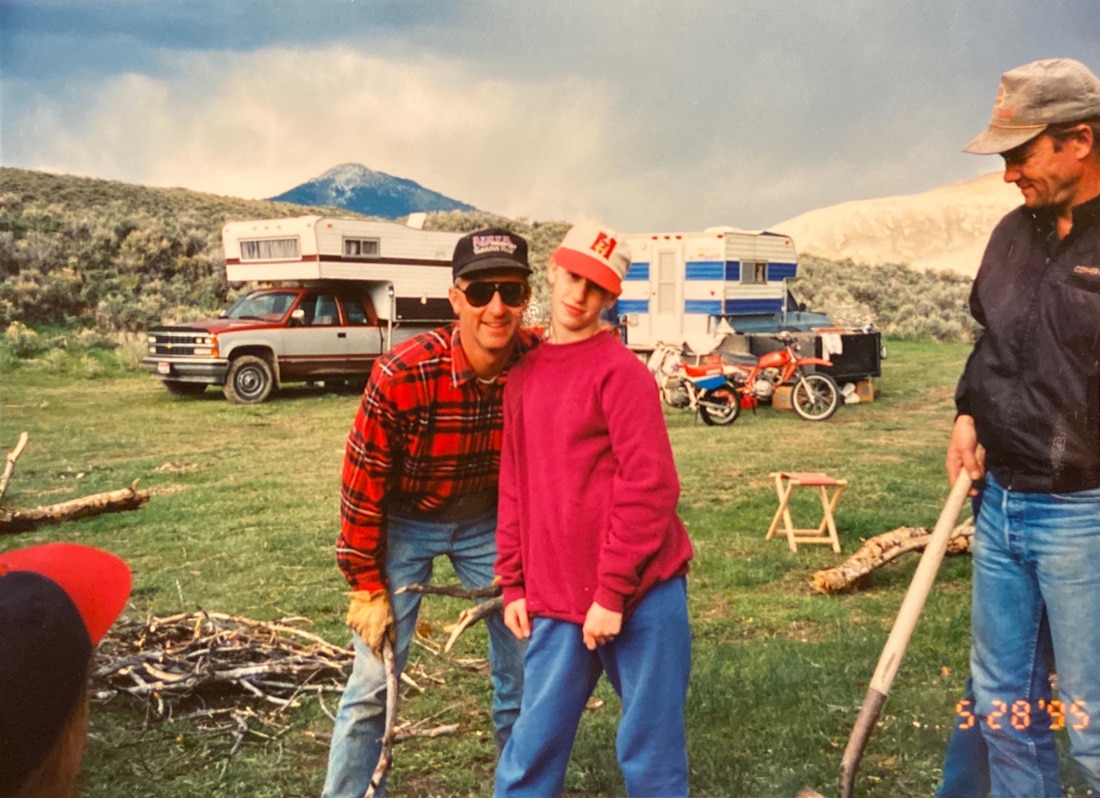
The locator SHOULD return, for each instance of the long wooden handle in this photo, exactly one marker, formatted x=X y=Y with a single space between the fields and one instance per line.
x=902 y=630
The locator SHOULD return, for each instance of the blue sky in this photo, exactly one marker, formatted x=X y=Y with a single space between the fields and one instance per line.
x=645 y=114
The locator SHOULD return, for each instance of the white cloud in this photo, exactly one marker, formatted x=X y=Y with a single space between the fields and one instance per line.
x=255 y=125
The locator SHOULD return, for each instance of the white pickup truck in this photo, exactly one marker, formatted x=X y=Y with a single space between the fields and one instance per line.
x=275 y=336
x=347 y=290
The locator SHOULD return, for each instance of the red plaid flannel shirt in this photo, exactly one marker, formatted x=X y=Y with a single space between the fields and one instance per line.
x=426 y=431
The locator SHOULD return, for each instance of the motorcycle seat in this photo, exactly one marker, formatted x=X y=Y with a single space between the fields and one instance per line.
x=738 y=359
x=703 y=370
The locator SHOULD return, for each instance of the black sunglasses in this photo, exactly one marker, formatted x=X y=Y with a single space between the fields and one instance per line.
x=514 y=295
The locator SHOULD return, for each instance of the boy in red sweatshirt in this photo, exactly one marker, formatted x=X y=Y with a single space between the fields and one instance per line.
x=591 y=554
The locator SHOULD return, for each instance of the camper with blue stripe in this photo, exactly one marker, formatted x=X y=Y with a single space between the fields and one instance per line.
x=682 y=285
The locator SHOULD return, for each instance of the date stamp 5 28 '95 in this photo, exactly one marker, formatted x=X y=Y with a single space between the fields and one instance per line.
x=1019 y=714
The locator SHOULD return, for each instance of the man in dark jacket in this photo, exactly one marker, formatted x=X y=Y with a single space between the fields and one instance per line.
x=1028 y=423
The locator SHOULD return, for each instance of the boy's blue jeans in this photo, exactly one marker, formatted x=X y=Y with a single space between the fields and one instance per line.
x=648 y=664
x=1034 y=551
x=411 y=547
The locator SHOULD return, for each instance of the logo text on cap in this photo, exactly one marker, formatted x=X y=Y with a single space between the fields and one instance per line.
x=604 y=245
x=483 y=244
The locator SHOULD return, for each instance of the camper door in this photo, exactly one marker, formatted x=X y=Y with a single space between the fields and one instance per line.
x=666 y=288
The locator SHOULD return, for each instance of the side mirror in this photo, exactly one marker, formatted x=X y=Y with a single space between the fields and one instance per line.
x=297 y=316
x=801 y=307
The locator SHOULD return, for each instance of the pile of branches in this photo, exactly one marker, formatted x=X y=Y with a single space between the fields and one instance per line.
x=201 y=665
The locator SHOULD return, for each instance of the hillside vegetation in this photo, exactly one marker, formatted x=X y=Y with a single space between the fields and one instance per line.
x=81 y=253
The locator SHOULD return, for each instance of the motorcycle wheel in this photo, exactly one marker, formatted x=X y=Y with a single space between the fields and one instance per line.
x=720 y=407
x=815 y=397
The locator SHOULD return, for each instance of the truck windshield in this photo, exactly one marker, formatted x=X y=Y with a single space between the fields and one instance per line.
x=268 y=305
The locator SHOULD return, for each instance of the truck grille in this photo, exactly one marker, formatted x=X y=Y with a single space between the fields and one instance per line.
x=178 y=344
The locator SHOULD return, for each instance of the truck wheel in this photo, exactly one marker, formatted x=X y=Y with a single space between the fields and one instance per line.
x=178 y=388
x=249 y=380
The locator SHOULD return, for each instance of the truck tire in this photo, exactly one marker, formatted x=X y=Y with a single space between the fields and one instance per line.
x=180 y=388
x=249 y=381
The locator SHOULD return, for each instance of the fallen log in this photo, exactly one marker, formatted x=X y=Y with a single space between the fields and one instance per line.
x=12 y=521
x=13 y=455
x=881 y=549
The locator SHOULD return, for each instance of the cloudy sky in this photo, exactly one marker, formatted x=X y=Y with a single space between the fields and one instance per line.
x=646 y=114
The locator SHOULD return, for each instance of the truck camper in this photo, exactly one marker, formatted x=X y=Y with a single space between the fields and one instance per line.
x=339 y=292
x=724 y=288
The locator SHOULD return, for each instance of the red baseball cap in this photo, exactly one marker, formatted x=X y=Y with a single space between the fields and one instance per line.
x=56 y=603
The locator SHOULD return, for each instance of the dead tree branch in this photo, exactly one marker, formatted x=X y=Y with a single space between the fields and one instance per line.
x=385 y=757
x=454 y=591
x=84 y=507
x=881 y=549
x=13 y=455
x=472 y=615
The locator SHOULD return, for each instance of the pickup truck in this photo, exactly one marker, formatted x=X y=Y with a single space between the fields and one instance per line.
x=275 y=336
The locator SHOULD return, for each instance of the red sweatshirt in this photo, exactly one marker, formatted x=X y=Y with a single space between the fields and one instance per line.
x=588 y=487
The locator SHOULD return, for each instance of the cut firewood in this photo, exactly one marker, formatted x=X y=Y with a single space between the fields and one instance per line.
x=881 y=549
x=13 y=455
x=110 y=502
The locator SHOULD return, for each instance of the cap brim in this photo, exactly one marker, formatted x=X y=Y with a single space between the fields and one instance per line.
x=97 y=581
x=591 y=269
x=995 y=140
x=491 y=265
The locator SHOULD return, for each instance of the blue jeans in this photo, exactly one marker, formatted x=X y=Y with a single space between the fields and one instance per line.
x=1036 y=552
x=411 y=548
x=966 y=763
x=648 y=664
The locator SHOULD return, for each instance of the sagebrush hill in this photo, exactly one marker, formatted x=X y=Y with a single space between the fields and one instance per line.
x=80 y=252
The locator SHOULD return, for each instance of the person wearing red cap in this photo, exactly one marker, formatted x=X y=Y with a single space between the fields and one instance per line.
x=56 y=603
x=592 y=555
x=1027 y=430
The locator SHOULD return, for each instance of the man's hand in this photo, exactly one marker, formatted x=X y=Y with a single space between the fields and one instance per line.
x=370 y=616
x=600 y=626
x=517 y=619
x=964 y=453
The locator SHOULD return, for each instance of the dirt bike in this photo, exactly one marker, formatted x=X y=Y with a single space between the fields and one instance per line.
x=704 y=388
x=814 y=395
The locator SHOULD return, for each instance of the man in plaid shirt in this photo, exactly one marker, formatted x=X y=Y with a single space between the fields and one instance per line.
x=420 y=481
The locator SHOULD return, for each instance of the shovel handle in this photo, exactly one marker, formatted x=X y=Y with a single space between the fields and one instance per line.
x=902 y=630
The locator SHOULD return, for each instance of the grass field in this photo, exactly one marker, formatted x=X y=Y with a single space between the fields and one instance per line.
x=246 y=517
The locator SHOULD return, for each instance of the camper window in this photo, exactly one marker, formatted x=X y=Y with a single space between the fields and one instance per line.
x=754 y=273
x=361 y=248
x=269 y=249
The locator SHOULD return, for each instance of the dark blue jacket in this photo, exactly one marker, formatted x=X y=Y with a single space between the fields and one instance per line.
x=1032 y=382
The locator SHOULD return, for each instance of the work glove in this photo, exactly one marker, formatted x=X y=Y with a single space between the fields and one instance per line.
x=370 y=616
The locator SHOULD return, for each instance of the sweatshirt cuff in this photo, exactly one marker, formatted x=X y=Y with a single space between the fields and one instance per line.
x=512 y=593
x=609 y=599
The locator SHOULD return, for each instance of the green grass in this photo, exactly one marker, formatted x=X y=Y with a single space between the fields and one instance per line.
x=247 y=517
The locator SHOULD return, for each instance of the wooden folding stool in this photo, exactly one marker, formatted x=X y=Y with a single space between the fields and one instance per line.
x=785 y=484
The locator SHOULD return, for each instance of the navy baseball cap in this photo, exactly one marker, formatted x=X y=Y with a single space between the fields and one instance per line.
x=56 y=603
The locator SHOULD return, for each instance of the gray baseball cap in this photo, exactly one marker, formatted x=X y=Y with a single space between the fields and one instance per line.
x=1032 y=96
